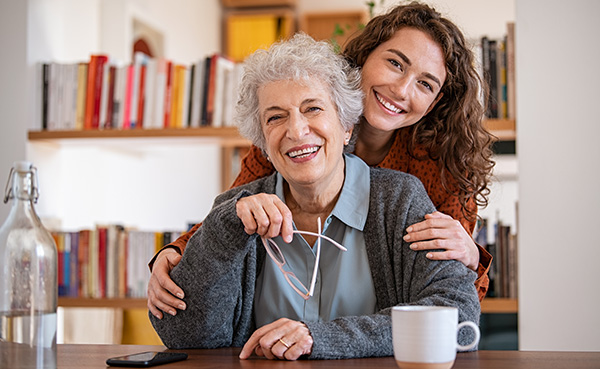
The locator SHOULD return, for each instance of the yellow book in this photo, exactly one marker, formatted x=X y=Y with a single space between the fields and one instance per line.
x=82 y=70
x=247 y=33
x=174 y=96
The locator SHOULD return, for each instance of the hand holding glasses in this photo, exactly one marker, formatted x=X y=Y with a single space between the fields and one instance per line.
x=277 y=256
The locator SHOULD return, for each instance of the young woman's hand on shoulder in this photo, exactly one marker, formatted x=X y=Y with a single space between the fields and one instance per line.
x=441 y=232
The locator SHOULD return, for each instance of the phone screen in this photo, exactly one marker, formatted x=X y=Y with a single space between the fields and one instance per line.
x=146 y=359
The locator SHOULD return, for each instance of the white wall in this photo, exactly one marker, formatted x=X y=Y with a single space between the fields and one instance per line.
x=13 y=90
x=558 y=129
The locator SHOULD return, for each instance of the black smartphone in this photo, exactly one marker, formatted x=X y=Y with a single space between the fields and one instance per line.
x=146 y=359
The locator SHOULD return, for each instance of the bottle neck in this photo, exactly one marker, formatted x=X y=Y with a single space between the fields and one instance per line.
x=23 y=194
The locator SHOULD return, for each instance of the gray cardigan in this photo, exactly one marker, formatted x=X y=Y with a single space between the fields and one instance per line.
x=220 y=264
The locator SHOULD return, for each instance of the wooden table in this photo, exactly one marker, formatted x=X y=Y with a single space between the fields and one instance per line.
x=94 y=356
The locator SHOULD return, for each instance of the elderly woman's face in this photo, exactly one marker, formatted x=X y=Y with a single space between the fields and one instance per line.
x=303 y=133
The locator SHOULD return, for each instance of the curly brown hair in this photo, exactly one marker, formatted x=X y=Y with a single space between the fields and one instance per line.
x=452 y=132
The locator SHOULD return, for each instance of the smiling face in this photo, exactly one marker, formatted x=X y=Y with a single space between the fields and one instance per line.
x=304 y=137
x=402 y=79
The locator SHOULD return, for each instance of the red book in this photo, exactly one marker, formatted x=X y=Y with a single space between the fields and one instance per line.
x=89 y=99
x=127 y=101
x=141 y=97
x=97 y=90
x=168 y=93
x=210 y=97
x=102 y=260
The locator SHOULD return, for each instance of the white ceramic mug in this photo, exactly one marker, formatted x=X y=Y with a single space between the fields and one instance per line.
x=425 y=337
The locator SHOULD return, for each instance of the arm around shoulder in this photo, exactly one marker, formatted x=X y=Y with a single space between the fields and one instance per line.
x=212 y=272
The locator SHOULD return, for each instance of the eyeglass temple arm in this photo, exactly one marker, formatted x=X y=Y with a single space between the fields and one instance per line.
x=335 y=243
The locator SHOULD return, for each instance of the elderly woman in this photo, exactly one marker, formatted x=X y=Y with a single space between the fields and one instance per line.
x=309 y=296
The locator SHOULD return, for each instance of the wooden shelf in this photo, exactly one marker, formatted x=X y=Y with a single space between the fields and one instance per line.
x=124 y=303
x=489 y=305
x=221 y=132
x=504 y=129
x=494 y=305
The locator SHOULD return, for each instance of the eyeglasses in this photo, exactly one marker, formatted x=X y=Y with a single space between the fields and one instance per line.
x=277 y=257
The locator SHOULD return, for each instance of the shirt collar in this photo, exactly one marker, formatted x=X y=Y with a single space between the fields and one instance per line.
x=352 y=206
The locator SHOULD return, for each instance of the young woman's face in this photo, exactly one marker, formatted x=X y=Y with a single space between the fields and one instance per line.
x=402 y=79
x=303 y=133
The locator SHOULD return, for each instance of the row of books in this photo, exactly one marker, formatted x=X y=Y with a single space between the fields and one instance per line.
x=497 y=58
x=503 y=248
x=107 y=261
x=148 y=93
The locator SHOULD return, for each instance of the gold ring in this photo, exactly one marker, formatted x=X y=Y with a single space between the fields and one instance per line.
x=284 y=343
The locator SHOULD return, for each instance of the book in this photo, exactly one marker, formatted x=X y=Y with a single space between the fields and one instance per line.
x=205 y=87
x=197 y=93
x=502 y=112
x=110 y=98
x=118 y=110
x=84 y=266
x=211 y=73
x=100 y=274
x=148 y=120
x=224 y=67
x=249 y=32
x=74 y=268
x=185 y=98
x=141 y=98
x=233 y=79
x=168 y=92
x=82 y=71
x=511 y=100
x=128 y=97
x=94 y=90
x=45 y=87
x=160 y=93
x=103 y=107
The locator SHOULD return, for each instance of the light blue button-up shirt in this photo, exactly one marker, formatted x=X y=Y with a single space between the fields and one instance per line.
x=344 y=285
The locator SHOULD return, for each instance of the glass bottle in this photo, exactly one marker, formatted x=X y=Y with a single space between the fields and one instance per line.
x=28 y=278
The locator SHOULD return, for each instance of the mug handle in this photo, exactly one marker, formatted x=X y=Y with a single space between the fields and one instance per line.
x=475 y=341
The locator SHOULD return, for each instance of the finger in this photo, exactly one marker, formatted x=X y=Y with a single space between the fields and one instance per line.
x=275 y=220
x=286 y=223
x=437 y=214
x=435 y=228
x=431 y=222
x=292 y=340
x=269 y=338
x=154 y=310
x=253 y=343
x=299 y=340
x=245 y=214
x=299 y=348
x=250 y=347
x=442 y=255
x=166 y=284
